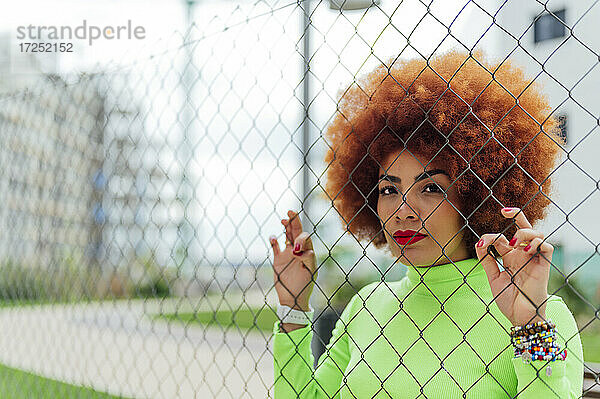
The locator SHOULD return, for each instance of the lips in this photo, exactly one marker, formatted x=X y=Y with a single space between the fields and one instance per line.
x=407 y=237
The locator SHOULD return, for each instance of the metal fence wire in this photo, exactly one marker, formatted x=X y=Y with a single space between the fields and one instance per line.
x=138 y=198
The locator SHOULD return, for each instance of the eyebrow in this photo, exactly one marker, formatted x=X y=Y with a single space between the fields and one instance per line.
x=419 y=177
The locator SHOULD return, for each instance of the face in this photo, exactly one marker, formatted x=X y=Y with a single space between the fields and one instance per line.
x=410 y=199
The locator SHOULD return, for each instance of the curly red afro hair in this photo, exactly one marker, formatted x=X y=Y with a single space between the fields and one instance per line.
x=491 y=129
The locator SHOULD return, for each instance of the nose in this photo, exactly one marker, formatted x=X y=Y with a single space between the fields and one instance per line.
x=406 y=210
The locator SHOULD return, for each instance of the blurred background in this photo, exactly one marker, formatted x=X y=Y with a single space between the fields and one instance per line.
x=142 y=176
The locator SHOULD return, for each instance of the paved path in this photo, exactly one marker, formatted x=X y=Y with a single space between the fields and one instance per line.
x=115 y=347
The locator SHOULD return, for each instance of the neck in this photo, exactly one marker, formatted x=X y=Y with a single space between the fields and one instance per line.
x=443 y=279
x=444 y=260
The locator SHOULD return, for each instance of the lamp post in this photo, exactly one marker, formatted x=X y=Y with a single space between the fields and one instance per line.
x=347 y=5
x=341 y=5
x=325 y=323
x=185 y=190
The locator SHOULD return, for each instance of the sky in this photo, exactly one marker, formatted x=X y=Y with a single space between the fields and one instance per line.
x=247 y=91
x=161 y=18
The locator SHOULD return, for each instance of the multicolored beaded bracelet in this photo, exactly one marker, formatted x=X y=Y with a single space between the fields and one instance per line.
x=537 y=341
x=531 y=329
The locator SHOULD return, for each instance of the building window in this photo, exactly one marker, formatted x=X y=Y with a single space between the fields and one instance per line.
x=549 y=26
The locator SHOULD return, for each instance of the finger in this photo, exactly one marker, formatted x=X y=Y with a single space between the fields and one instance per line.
x=500 y=242
x=532 y=246
x=538 y=244
x=518 y=215
x=307 y=258
x=501 y=245
x=303 y=241
x=488 y=262
x=288 y=233
x=274 y=245
x=523 y=237
x=295 y=223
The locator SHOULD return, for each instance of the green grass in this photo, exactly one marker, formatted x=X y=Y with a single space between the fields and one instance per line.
x=17 y=384
x=244 y=318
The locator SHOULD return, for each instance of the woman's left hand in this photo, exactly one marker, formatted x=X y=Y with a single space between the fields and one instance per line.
x=523 y=301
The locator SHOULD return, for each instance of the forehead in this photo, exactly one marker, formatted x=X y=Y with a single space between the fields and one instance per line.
x=405 y=160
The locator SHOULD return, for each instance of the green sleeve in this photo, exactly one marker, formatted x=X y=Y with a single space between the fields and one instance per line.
x=293 y=361
x=566 y=380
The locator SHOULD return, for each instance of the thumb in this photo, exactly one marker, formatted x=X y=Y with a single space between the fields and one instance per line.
x=486 y=257
x=308 y=259
x=307 y=242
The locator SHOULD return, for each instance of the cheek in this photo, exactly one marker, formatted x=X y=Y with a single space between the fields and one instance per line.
x=452 y=208
x=448 y=212
x=442 y=214
x=383 y=212
x=381 y=207
x=386 y=210
x=449 y=204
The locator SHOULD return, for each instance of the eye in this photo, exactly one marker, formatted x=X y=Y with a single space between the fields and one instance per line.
x=437 y=189
x=382 y=190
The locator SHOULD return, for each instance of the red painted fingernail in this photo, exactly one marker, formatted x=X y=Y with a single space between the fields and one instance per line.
x=508 y=209
x=513 y=241
x=480 y=243
x=527 y=248
x=297 y=248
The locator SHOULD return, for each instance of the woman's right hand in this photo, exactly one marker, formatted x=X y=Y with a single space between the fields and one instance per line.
x=294 y=272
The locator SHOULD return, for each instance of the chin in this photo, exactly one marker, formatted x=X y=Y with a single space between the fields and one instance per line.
x=413 y=257
x=417 y=256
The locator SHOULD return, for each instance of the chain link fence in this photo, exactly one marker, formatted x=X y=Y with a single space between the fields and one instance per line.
x=139 y=196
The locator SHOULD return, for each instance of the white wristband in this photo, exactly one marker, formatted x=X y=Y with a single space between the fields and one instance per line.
x=289 y=315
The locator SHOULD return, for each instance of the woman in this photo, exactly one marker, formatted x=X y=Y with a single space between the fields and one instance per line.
x=436 y=164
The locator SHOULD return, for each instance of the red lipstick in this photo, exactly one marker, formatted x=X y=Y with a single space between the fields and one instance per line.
x=407 y=237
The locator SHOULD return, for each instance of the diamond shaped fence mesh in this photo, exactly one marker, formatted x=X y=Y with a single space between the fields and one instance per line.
x=139 y=198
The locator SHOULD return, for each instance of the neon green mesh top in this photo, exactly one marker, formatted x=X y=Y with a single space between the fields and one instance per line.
x=428 y=335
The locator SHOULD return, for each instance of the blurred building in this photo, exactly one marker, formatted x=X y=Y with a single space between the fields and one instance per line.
x=558 y=45
x=79 y=176
x=51 y=134
x=137 y=193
